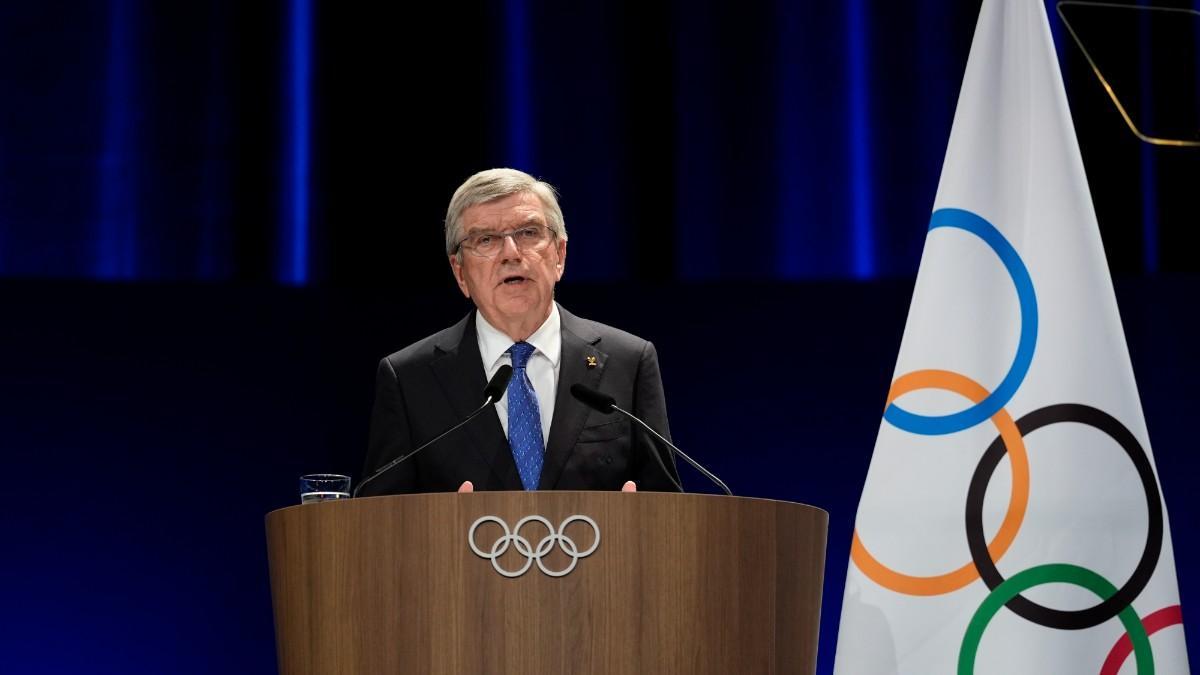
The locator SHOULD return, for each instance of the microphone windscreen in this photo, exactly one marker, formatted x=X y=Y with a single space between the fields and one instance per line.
x=592 y=398
x=499 y=382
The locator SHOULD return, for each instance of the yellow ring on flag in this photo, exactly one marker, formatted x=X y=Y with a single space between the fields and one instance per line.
x=1018 y=499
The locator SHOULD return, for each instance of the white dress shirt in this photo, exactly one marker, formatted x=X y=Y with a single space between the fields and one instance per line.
x=542 y=368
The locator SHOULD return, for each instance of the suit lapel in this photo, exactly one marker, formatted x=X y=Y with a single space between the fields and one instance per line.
x=460 y=373
x=578 y=343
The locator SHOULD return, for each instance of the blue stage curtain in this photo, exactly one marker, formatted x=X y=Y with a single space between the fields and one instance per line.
x=301 y=142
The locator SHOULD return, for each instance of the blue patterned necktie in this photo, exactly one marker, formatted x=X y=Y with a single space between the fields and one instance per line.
x=524 y=419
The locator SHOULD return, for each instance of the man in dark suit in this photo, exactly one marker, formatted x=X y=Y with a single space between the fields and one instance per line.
x=507 y=246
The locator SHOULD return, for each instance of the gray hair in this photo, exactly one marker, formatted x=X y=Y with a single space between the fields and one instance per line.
x=493 y=184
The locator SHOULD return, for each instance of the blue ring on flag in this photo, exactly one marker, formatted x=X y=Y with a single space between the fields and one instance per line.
x=934 y=425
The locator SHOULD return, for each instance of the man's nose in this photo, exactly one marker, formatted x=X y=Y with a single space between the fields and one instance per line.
x=508 y=248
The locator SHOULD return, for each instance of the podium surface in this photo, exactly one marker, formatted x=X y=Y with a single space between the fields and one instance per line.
x=638 y=583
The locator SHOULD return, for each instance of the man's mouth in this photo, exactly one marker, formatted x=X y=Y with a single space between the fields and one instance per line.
x=514 y=280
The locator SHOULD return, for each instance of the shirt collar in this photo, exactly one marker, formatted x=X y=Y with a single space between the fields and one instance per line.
x=546 y=340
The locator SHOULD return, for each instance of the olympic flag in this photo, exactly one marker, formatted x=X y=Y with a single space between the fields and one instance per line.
x=1012 y=520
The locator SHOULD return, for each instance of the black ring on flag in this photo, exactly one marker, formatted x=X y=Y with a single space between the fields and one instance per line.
x=976 y=540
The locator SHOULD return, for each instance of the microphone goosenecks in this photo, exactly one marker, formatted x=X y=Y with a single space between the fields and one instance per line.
x=607 y=404
x=499 y=383
x=492 y=393
x=592 y=398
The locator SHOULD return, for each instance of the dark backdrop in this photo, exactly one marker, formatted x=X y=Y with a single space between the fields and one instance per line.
x=216 y=216
x=309 y=142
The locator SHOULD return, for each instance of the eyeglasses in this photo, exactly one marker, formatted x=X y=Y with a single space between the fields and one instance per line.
x=488 y=244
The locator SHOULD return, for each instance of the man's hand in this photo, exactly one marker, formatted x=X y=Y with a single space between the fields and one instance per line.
x=468 y=486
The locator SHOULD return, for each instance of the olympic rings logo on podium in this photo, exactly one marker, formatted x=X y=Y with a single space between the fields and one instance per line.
x=534 y=554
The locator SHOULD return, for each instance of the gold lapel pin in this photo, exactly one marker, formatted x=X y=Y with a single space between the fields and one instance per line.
x=591 y=362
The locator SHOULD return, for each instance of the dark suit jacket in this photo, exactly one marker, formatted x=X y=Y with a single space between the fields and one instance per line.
x=427 y=387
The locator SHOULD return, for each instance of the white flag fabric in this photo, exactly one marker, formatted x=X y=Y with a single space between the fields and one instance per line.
x=1012 y=520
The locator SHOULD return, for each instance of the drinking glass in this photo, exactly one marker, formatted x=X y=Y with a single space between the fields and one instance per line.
x=323 y=487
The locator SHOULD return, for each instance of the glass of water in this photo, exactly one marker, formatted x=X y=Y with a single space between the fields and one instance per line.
x=323 y=487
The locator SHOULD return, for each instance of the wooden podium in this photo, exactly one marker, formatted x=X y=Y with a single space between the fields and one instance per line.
x=637 y=583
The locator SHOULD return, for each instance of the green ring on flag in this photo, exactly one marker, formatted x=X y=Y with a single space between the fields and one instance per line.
x=1048 y=574
x=936 y=425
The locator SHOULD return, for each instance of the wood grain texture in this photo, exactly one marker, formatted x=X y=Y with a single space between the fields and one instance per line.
x=679 y=584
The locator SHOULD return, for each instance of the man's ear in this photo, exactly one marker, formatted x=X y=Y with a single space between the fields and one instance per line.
x=562 y=259
x=456 y=268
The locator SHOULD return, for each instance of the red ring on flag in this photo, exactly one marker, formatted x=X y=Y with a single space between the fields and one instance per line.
x=1018 y=499
x=1153 y=622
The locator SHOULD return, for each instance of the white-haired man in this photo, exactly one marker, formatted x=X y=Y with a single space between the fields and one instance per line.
x=507 y=245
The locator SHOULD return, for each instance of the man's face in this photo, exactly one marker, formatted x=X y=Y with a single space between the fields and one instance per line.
x=514 y=288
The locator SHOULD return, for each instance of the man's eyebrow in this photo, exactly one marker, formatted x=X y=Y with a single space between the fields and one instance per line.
x=534 y=218
x=531 y=219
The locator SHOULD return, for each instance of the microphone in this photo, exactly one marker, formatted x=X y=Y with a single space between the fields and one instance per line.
x=492 y=393
x=606 y=404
